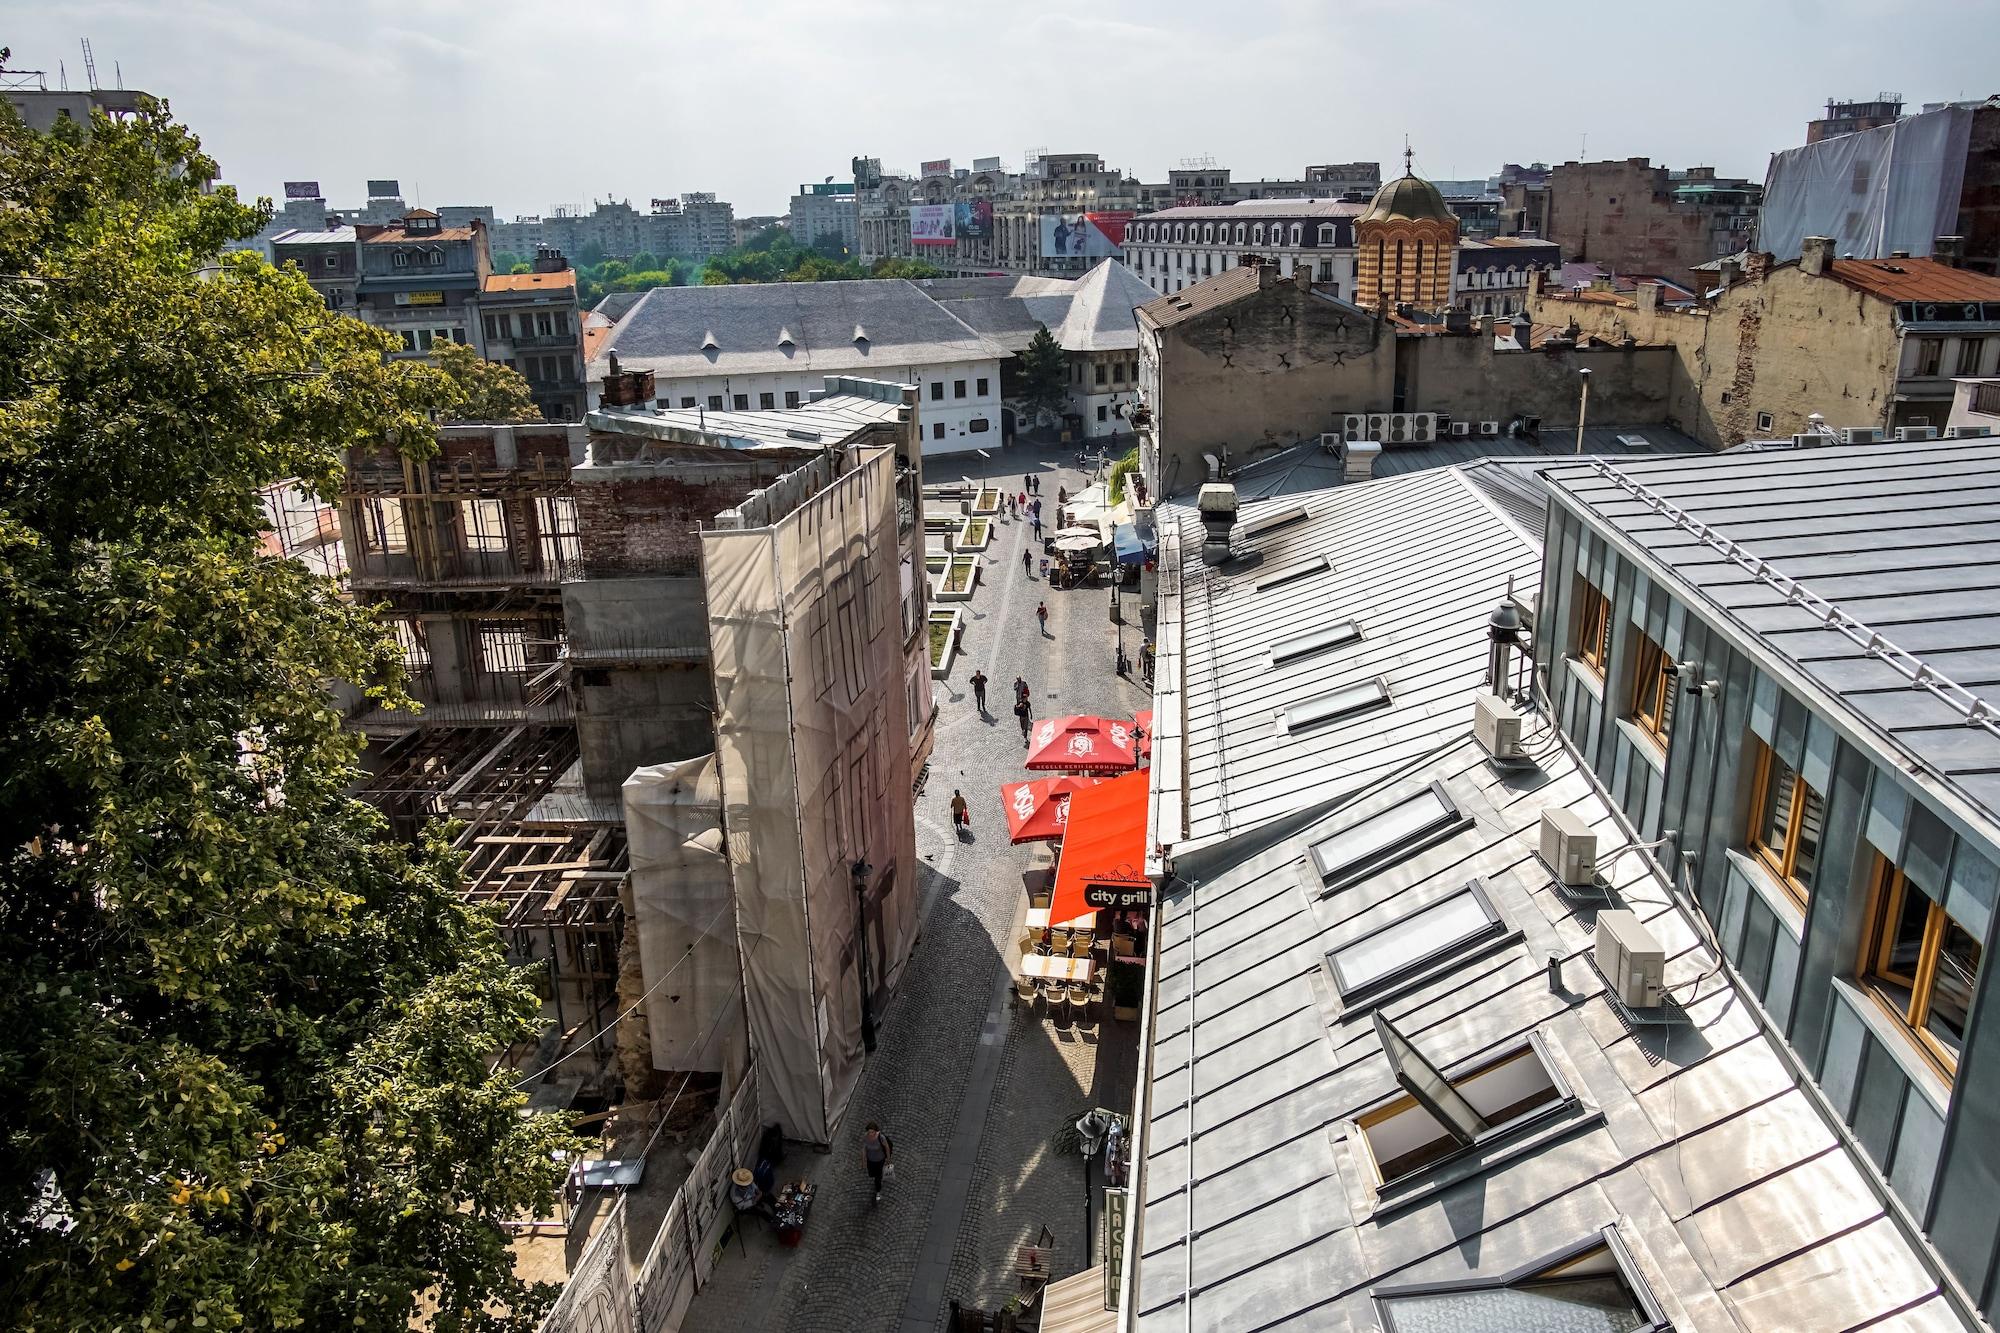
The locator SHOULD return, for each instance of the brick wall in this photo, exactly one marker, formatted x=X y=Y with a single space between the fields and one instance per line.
x=651 y=524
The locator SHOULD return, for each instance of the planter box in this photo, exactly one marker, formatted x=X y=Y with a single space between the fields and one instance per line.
x=962 y=570
x=974 y=536
x=944 y=627
x=986 y=502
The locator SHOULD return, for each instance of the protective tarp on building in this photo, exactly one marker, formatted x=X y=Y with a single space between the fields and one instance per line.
x=682 y=911
x=813 y=752
x=1891 y=188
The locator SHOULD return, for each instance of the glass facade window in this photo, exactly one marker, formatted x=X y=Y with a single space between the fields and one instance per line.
x=1789 y=824
x=1922 y=964
x=1653 y=691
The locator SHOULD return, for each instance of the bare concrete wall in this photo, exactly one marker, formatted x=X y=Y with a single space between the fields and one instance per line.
x=1467 y=378
x=1784 y=343
x=1277 y=367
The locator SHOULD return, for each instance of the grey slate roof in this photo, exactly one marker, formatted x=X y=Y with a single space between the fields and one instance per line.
x=747 y=324
x=1419 y=561
x=1092 y=313
x=1739 y=1207
x=1903 y=537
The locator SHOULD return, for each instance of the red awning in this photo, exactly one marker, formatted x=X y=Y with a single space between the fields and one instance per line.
x=1106 y=845
x=1082 y=745
x=1038 y=811
x=1142 y=726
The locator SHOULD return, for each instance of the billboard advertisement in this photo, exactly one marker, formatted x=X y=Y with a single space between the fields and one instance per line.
x=931 y=224
x=986 y=164
x=973 y=219
x=302 y=190
x=1078 y=235
x=384 y=189
x=941 y=167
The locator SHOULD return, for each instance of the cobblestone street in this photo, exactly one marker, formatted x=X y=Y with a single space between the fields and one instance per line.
x=970 y=1088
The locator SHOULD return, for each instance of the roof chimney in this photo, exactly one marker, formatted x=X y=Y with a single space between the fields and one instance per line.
x=1727 y=273
x=1302 y=274
x=1649 y=298
x=1217 y=503
x=1949 y=251
x=1814 y=254
x=1267 y=276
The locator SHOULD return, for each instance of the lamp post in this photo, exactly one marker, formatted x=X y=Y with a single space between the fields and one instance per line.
x=1582 y=406
x=858 y=873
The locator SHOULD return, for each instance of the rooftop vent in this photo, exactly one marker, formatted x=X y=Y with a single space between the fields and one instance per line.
x=785 y=338
x=860 y=334
x=1217 y=505
x=708 y=342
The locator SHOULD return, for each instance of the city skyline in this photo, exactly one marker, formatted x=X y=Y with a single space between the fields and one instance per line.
x=561 y=132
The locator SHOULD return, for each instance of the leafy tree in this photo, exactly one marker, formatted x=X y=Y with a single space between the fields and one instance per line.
x=506 y=261
x=831 y=244
x=644 y=262
x=611 y=270
x=244 y=1032
x=905 y=268
x=483 y=390
x=589 y=255
x=1044 y=373
x=521 y=268
x=676 y=274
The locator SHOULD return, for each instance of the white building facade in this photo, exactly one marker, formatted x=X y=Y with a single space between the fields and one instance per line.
x=1178 y=247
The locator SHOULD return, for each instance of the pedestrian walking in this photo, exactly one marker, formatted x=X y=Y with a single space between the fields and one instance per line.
x=1027 y=481
x=1020 y=690
x=979 y=690
x=1028 y=563
x=1042 y=614
x=877 y=1151
x=1035 y=523
x=961 y=814
x=1062 y=496
x=1026 y=717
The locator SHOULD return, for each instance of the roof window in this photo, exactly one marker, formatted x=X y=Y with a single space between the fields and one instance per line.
x=1590 y=1287
x=1412 y=947
x=1343 y=702
x=1300 y=646
x=1290 y=573
x=1440 y=1114
x=1283 y=518
x=1368 y=844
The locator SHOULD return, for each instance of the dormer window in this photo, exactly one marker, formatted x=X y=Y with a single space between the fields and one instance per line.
x=400 y=259
x=785 y=338
x=860 y=335
x=1590 y=1285
x=1442 y=1114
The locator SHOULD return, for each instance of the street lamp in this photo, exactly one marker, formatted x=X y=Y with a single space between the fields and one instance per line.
x=1582 y=406
x=858 y=874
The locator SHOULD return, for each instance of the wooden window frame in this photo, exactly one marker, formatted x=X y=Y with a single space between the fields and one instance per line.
x=1885 y=907
x=1593 y=628
x=1783 y=864
x=1652 y=691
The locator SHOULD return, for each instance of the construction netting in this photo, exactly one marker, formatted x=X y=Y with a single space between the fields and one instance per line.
x=682 y=909
x=813 y=753
x=1877 y=191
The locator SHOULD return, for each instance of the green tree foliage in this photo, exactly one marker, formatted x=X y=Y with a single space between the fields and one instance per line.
x=644 y=262
x=1044 y=372
x=904 y=268
x=772 y=255
x=244 y=1032
x=831 y=245
x=506 y=261
x=483 y=390
x=1120 y=470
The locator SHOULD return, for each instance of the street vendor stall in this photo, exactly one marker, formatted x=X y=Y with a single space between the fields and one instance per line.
x=790 y=1208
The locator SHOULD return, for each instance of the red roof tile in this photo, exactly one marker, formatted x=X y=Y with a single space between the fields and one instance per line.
x=1915 y=280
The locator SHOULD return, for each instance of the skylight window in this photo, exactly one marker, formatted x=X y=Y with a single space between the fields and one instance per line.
x=1286 y=651
x=1440 y=1114
x=1291 y=573
x=1412 y=946
x=1369 y=843
x=1343 y=702
x=1273 y=522
x=1592 y=1287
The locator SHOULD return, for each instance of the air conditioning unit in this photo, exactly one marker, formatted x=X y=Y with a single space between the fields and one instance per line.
x=1460 y=429
x=1489 y=429
x=1423 y=426
x=1496 y=725
x=1862 y=434
x=1967 y=432
x=1916 y=432
x=1631 y=959
x=1378 y=426
x=1569 y=847
x=1399 y=428
x=1354 y=426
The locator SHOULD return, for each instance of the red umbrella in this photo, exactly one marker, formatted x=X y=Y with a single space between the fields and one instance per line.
x=1038 y=810
x=1082 y=745
x=1142 y=724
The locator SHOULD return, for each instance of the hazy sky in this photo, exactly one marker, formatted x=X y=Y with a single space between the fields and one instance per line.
x=528 y=105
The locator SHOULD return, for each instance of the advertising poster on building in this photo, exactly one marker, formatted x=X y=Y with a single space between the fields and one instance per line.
x=931 y=224
x=1074 y=234
x=941 y=167
x=974 y=219
x=384 y=189
x=302 y=190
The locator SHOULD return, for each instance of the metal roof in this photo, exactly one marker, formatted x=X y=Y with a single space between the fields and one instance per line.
x=1692 y=1139
x=1092 y=313
x=827 y=421
x=1418 y=561
x=833 y=328
x=1904 y=538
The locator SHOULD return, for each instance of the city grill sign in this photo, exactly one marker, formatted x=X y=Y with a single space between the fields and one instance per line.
x=1119 y=897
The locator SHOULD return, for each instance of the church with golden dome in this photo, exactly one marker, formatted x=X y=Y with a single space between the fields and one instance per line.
x=1404 y=244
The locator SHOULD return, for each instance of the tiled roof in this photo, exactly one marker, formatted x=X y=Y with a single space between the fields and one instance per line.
x=1209 y=294
x=529 y=282
x=1915 y=280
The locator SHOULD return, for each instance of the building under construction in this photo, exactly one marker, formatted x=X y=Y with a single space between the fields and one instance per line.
x=575 y=603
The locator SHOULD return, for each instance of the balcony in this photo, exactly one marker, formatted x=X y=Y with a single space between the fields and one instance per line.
x=568 y=340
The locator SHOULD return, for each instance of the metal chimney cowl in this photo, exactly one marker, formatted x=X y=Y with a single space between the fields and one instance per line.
x=1217 y=505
